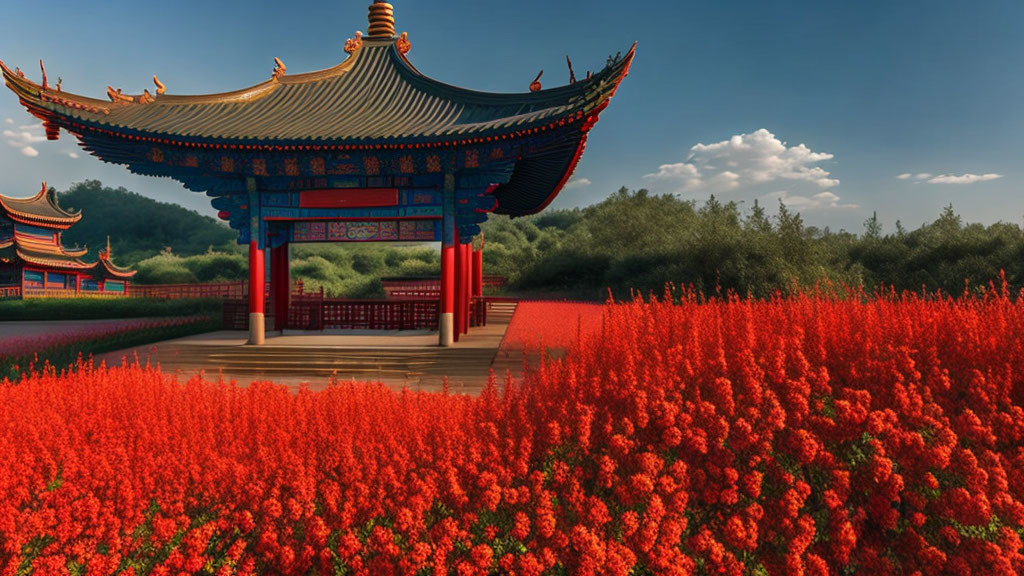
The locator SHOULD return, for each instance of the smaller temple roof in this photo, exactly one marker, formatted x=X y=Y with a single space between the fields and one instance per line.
x=42 y=210
x=39 y=210
x=111 y=268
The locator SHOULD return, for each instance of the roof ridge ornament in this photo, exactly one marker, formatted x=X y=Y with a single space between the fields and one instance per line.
x=403 y=44
x=354 y=44
x=535 y=85
x=119 y=97
x=382 y=20
x=279 y=69
x=116 y=96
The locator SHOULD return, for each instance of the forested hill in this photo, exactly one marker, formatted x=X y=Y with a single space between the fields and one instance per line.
x=631 y=240
x=138 y=227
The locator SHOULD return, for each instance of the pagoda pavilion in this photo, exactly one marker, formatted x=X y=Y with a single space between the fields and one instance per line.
x=34 y=260
x=370 y=150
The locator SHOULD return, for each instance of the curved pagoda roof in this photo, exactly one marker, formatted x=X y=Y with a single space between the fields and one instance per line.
x=36 y=252
x=374 y=99
x=47 y=257
x=39 y=210
x=111 y=269
x=58 y=258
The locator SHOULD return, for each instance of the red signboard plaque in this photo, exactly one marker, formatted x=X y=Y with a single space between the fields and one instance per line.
x=349 y=198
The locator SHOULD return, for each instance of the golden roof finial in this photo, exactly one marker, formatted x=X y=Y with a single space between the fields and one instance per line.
x=160 y=88
x=107 y=253
x=382 y=20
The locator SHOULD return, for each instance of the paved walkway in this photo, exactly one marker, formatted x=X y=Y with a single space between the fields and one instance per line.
x=398 y=359
x=32 y=328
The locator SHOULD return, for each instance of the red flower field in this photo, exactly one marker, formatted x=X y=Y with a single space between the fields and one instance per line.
x=807 y=435
x=551 y=324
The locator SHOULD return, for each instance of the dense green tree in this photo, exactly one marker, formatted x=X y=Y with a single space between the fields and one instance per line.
x=139 y=227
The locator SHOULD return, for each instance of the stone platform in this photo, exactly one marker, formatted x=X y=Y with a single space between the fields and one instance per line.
x=397 y=359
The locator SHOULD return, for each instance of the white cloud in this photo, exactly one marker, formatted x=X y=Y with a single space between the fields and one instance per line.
x=24 y=137
x=745 y=159
x=577 y=183
x=949 y=178
x=73 y=155
x=753 y=161
x=820 y=201
x=687 y=174
x=964 y=178
x=9 y=120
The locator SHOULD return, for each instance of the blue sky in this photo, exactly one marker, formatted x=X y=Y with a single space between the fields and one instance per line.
x=822 y=104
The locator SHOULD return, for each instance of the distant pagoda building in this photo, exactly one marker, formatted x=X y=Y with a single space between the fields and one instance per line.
x=370 y=150
x=34 y=260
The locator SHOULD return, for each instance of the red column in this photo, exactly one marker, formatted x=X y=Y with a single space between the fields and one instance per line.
x=280 y=285
x=447 y=294
x=467 y=282
x=449 y=239
x=460 y=305
x=257 y=297
x=478 y=273
x=478 y=281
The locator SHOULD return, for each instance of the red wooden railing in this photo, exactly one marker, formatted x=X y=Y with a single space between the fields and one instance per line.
x=178 y=291
x=425 y=288
x=68 y=293
x=223 y=290
x=10 y=292
x=308 y=312
x=380 y=314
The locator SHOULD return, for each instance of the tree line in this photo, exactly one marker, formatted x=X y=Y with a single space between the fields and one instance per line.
x=633 y=240
x=637 y=240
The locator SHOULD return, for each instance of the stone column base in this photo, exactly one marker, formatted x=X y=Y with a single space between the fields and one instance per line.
x=446 y=330
x=257 y=329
